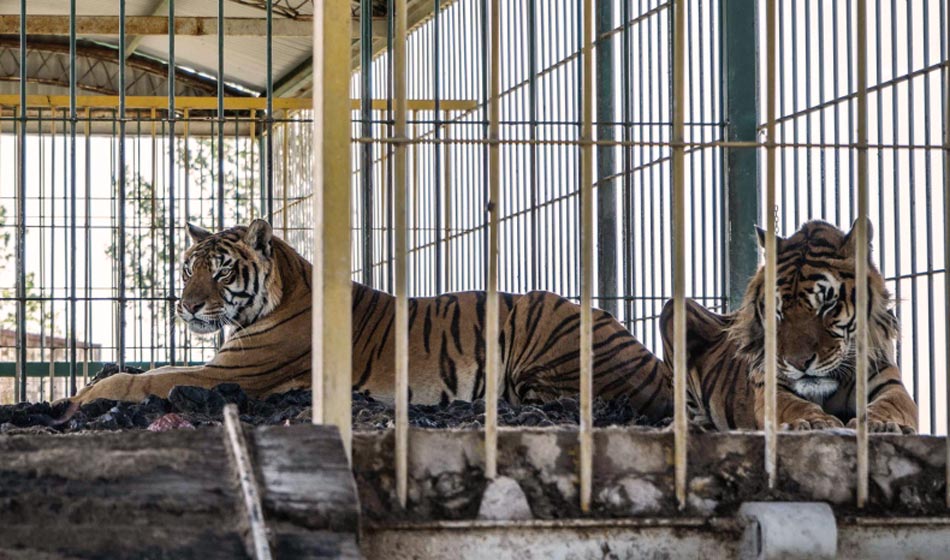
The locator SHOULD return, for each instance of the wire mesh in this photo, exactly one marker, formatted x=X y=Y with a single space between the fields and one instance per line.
x=817 y=104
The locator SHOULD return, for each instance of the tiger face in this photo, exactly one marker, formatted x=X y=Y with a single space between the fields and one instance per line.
x=229 y=278
x=816 y=312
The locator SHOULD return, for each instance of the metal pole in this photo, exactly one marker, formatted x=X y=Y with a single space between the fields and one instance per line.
x=72 y=199
x=332 y=290
x=739 y=81
x=172 y=218
x=861 y=257
x=492 y=351
x=401 y=278
x=945 y=18
x=436 y=153
x=606 y=162
x=269 y=211
x=120 y=337
x=587 y=258
x=21 y=217
x=220 y=117
x=770 y=417
x=366 y=150
x=680 y=430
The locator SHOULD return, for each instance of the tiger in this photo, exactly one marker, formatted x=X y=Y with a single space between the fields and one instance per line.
x=815 y=344
x=251 y=281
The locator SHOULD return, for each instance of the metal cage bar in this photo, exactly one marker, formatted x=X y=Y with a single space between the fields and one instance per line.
x=492 y=351
x=332 y=292
x=587 y=210
x=680 y=428
x=769 y=288
x=861 y=257
x=401 y=278
x=121 y=184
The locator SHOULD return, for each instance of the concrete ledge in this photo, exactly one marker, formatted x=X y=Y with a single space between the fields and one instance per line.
x=596 y=539
x=633 y=473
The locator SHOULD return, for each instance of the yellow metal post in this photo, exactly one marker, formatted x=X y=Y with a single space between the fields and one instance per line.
x=492 y=353
x=587 y=259
x=332 y=292
x=861 y=256
x=680 y=431
x=401 y=278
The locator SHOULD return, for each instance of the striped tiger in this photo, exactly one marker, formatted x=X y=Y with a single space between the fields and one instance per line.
x=815 y=340
x=249 y=280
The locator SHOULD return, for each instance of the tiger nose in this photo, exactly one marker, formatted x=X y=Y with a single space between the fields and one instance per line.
x=802 y=363
x=191 y=306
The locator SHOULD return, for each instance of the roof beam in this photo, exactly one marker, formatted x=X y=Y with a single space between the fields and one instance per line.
x=132 y=43
x=154 y=25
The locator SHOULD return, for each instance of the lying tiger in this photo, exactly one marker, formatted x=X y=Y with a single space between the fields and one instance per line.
x=247 y=279
x=816 y=346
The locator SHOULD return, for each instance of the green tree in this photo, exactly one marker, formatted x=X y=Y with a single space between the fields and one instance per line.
x=36 y=315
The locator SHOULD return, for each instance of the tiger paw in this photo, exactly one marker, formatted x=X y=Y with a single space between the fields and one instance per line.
x=883 y=426
x=816 y=422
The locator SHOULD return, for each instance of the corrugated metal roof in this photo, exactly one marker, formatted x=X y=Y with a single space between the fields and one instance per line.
x=245 y=63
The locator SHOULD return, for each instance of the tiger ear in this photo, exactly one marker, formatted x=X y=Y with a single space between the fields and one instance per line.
x=258 y=236
x=761 y=233
x=848 y=245
x=198 y=234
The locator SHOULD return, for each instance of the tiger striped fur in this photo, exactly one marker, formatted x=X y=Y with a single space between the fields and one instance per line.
x=257 y=284
x=816 y=347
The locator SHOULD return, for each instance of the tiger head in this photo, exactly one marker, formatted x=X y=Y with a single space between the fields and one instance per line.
x=229 y=277
x=815 y=311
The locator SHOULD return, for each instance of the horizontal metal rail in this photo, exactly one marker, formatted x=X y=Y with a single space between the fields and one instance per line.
x=211 y=103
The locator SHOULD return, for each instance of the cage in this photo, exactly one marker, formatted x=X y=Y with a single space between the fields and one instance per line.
x=618 y=153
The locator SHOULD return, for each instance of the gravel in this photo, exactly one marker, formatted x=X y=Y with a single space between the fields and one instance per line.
x=188 y=407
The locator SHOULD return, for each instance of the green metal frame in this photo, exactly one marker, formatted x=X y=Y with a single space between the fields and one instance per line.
x=606 y=161
x=740 y=102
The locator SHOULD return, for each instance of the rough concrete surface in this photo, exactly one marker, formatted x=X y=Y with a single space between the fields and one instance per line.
x=633 y=473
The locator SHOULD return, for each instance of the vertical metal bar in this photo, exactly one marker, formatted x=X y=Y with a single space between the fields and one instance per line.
x=945 y=27
x=366 y=149
x=533 y=136
x=492 y=351
x=72 y=198
x=861 y=255
x=401 y=278
x=606 y=162
x=332 y=291
x=390 y=249
x=269 y=211
x=628 y=290
x=220 y=116
x=21 y=217
x=437 y=135
x=770 y=364
x=587 y=259
x=740 y=101
x=172 y=216
x=679 y=250
x=87 y=227
x=928 y=193
x=120 y=337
